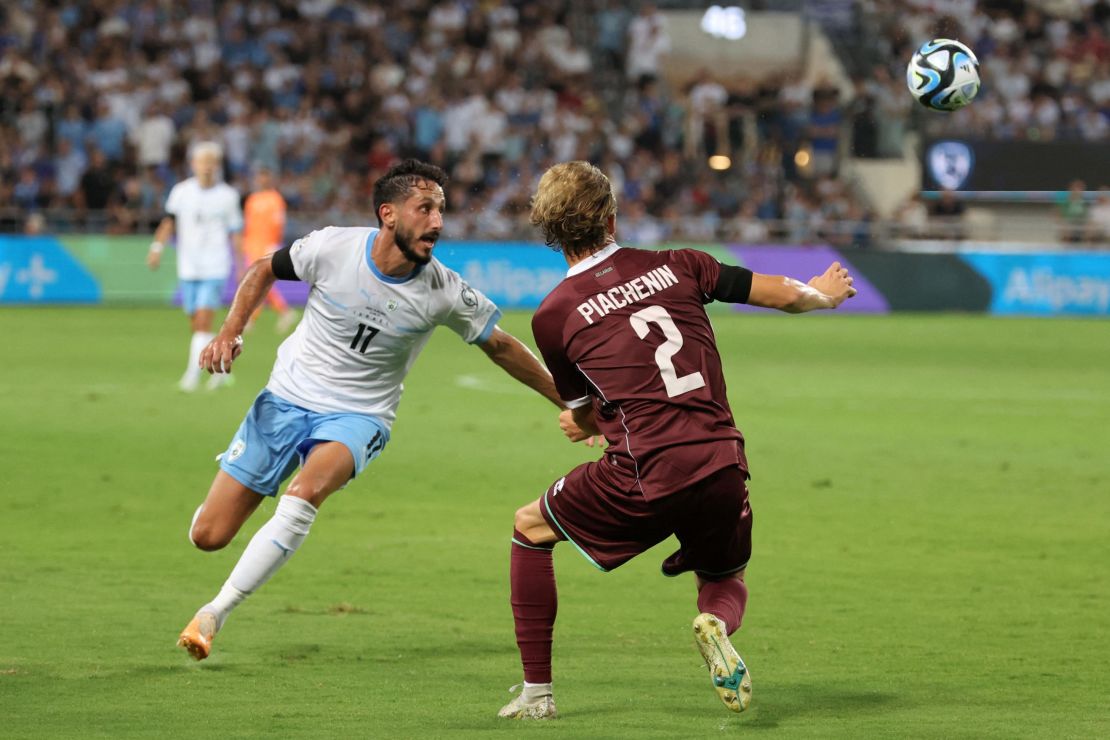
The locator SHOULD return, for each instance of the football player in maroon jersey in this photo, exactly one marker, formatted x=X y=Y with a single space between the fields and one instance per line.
x=634 y=358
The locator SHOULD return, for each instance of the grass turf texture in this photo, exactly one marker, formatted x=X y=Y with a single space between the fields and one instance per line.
x=930 y=560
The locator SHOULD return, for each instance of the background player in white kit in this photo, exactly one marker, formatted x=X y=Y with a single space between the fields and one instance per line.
x=376 y=296
x=203 y=211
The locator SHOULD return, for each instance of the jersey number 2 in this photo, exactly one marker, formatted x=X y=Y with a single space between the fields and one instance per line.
x=658 y=315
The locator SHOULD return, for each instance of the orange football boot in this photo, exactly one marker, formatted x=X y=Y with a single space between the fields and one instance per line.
x=197 y=636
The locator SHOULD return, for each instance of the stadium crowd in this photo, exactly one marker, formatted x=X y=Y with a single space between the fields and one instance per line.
x=102 y=101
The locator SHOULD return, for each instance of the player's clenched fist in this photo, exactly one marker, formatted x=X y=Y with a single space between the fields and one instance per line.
x=575 y=433
x=570 y=429
x=836 y=283
x=220 y=353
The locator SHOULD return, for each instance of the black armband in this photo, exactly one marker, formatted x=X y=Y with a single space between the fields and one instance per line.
x=282 y=264
x=734 y=285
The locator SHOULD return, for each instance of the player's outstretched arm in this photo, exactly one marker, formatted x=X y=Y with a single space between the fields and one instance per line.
x=827 y=290
x=222 y=351
x=518 y=361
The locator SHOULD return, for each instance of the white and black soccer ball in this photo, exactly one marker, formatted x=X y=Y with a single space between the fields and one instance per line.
x=943 y=75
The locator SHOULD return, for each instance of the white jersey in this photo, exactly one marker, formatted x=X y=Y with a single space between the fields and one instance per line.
x=362 y=330
x=203 y=218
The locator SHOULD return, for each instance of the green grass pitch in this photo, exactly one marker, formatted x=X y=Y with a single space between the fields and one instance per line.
x=932 y=545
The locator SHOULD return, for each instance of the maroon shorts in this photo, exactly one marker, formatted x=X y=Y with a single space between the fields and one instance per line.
x=598 y=508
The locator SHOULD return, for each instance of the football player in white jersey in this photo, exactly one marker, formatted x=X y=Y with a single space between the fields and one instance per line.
x=203 y=211
x=377 y=294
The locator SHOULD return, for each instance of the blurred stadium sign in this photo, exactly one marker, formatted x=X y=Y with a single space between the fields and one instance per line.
x=39 y=270
x=512 y=274
x=973 y=165
x=1046 y=284
x=725 y=22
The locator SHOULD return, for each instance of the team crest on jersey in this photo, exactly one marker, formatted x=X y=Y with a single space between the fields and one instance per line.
x=468 y=296
x=236 y=451
x=391 y=305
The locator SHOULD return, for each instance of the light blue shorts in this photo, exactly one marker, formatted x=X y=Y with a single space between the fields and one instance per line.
x=198 y=294
x=276 y=436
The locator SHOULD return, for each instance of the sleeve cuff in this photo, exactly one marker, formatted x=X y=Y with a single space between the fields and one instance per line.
x=487 y=332
x=577 y=403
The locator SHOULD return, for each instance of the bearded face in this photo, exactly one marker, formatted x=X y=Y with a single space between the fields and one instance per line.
x=419 y=223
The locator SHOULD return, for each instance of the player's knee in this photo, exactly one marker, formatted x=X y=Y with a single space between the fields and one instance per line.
x=528 y=518
x=207 y=537
x=521 y=519
x=208 y=540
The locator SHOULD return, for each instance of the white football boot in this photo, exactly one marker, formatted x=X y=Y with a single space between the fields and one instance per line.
x=534 y=702
x=727 y=671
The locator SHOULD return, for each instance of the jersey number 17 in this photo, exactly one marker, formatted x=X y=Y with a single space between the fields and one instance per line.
x=365 y=334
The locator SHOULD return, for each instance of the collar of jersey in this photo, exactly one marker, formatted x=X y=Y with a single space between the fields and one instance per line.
x=381 y=275
x=594 y=259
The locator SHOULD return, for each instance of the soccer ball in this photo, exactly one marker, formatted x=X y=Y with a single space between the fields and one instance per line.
x=943 y=75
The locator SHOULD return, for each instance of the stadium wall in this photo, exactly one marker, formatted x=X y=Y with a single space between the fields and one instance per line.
x=45 y=270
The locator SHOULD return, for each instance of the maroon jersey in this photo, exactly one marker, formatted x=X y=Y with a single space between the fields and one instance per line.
x=627 y=331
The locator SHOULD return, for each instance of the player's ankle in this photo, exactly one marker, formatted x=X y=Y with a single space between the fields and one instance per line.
x=537 y=690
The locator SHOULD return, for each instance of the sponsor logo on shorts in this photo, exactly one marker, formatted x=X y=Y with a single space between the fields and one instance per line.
x=236 y=450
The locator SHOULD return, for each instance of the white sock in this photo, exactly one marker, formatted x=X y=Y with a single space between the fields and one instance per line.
x=267 y=551
x=536 y=690
x=197 y=344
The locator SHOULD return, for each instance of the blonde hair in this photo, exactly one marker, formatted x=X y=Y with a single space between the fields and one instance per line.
x=572 y=206
x=207 y=147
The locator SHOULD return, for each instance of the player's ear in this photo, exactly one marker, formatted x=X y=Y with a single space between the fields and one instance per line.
x=611 y=224
x=387 y=214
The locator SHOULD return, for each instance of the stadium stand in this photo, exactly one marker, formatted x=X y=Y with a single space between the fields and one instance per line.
x=102 y=100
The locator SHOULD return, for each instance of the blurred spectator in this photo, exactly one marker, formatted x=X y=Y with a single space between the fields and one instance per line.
x=1100 y=217
x=865 y=124
x=749 y=229
x=97 y=184
x=154 y=137
x=648 y=42
x=1073 y=212
x=707 y=98
x=108 y=133
x=612 y=21
x=912 y=217
x=948 y=216
x=823 y=131
x=35 y=224
x=70 y=165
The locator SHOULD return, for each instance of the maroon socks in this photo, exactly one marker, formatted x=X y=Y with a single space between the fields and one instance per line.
x=534 y=601
x=725 y=599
